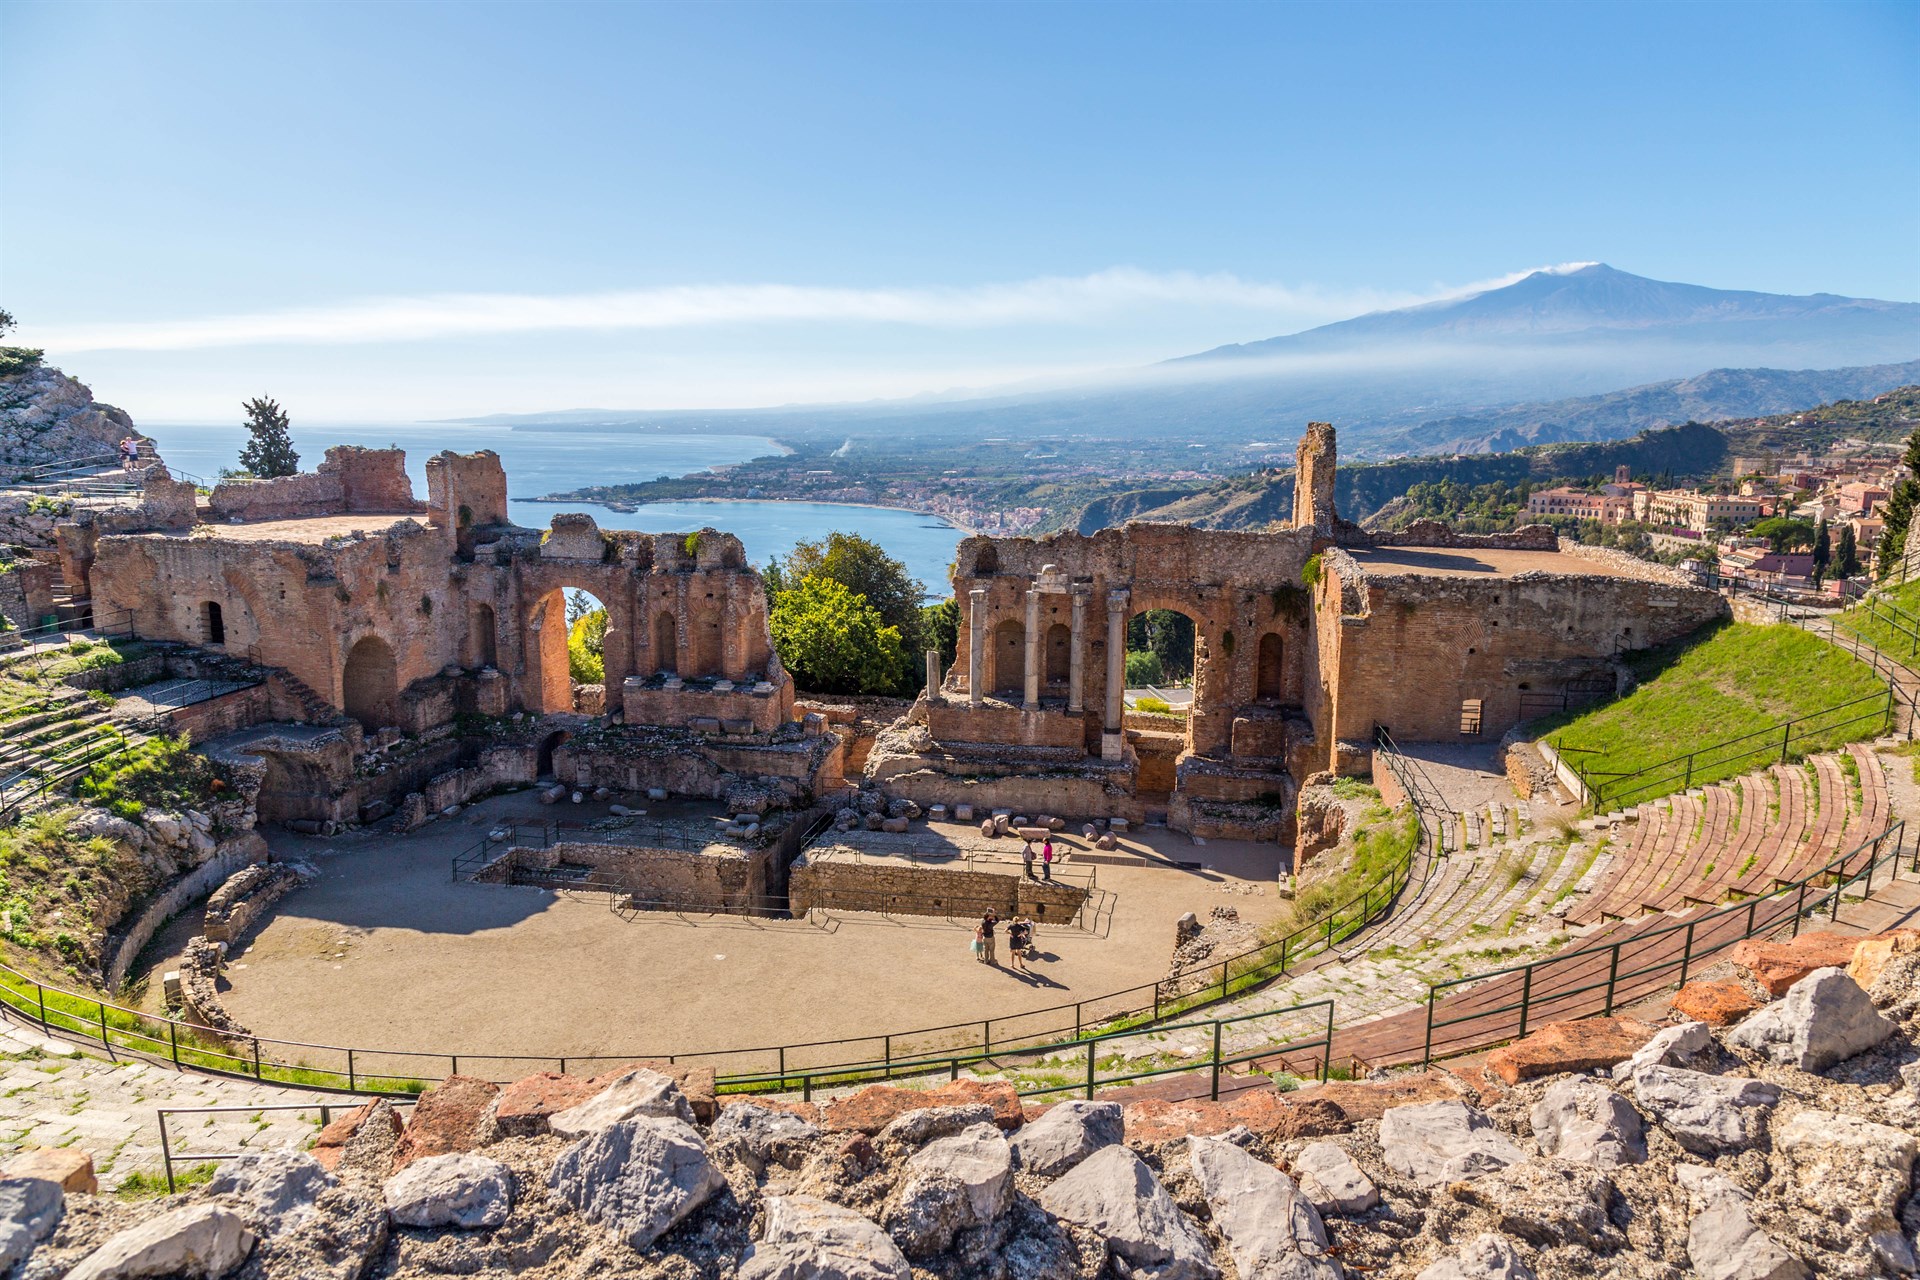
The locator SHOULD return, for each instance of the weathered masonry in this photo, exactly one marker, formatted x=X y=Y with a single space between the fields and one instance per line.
x=1308 y=640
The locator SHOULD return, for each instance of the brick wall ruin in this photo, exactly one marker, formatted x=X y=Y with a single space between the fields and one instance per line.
x=818 y=879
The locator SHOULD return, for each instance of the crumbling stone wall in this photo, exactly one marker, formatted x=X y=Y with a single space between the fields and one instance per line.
x=718 y=877
x=352 y=479
x=817 y=879
x=244 y=897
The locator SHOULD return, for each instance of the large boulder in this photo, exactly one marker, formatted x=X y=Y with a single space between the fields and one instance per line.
x=1705 y=1114
x=1485 y=1257
x=460 y=1190
x=764 y=1135
x=365 y=1139
x=1582 y=1119
x=201 y=1242
x=639 y=1178
x=1824 y=1019
x=1113 y=1194
x=1065 y=1135
x=807 y=1238
x=1440 y=1142
x=1560 y=1047
x=69 y=1167
x=308 y=1224
x=1852 y=1175
x=917 y=1128
x=276 y=1190
x=1719 y=1002
x=1332 y=1181
x=1670 y=1047
x=524 y=1107
x=1271 y=1229
x=30 y=1208
x=1776 y=965
x=1724 y=1244
x=952 y=1184
x=633 y=1095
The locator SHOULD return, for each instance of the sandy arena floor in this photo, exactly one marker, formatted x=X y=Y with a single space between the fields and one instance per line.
x=384 y=952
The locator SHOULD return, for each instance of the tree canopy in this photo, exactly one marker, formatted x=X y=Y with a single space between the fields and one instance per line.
x=863 y=567
x=269 y=448
x=834 y=641
x=1898 y=513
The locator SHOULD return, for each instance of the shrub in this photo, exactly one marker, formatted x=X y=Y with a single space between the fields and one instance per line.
x=1154 y=706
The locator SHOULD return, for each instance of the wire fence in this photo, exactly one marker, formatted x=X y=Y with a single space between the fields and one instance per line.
x=1471 y=1013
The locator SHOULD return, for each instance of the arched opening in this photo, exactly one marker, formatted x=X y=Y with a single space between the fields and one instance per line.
x=543 y=766
x=1059 y=660
x=213 y=623
x=481 y=644
x=1161 y=660
x=1010 y=657
x=569 y=647
x=370 y=683
x=1160 y=651
x=1270 y=681
x=666 y=644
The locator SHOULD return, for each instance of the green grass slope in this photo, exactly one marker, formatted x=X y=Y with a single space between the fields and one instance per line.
x=1720 y=697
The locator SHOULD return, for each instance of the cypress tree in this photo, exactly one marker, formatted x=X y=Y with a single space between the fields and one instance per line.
x=1847 y=557
x=269 y=449
x=1822 y=550
x=1898 y=513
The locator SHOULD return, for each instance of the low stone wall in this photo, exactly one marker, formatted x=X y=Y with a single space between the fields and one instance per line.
x=1072 y=796
x=352 y=479
x=737 y=711
x=200 y=989
x=197 y=883
x=1437 y=533
x=241 y=709
x=719 y=877
x=903 y=888
x=246 y=896
x=121 y=675
x=496 y=767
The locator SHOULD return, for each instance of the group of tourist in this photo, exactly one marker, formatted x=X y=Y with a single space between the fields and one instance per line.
x=1046 y=860
x=1019 y=940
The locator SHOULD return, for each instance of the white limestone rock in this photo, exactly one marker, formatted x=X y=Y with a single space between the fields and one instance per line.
x=30 y=1208
x=1670 y=1047
x=1439 y=1142
x=458 y=1190
x=1115 y=1195
x=1824 y=1019
x=765 y=1136
x=1066 y=1134
x=202 y=1242
x=1724 y=1244
x=1705 y=1114
x=807 y=1238
x=1581 y=1119
x=1485 y=1257
x=276 y=1190
x=637 y=1093
x=1271 y=1230
x=639 y=1178
x=1332 y=1181
x=915 y=1128
x=952 y=1184
x=1851 y=1172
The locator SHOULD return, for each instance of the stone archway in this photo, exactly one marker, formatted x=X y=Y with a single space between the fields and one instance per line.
x=370 y=683
x=1270 y=675
x=666 y=643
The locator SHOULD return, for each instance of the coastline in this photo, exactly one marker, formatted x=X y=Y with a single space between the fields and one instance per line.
x=966 y=530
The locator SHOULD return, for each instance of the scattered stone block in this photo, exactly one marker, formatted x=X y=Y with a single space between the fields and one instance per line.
x=1117 y=825
x=1275 y=1116
x=876 y=1106
x=1113 y=1194
x=1582 y=1119
x=638 y=1178
x=1776 y=966
x=553 y=794
x=69 y=1168
x=1065 y=1134
x=1107 y=842
x=963 y=813
x=461 y=1190
x=1718 y=1004
x=1824 y=1019
x=953 y=1184
x=807 y=1238
x=629 y=1096
x=938 y=813
x=894 y=826
x=1332 y=1181
x=1272 y=1231
x=1485 y=1257
x=1705 y=1114
x=1559 y=1047
x=1670 y=1046
x=450 y=1117
x=988 y=827
x=524 y=1107
x=1435 y=1143
x=656 y=794
x=202 y=1241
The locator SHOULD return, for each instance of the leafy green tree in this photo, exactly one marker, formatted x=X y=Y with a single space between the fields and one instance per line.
x=1783 y=533
x=6 y=322
x=1847 y=556
x=940 y=629
x=833 y=641
x=1143 y=668
x=1822 y=550
x=269 y=449
x=1898 y=513
x=587 y=646
x=862 y=567
x=1168 y=636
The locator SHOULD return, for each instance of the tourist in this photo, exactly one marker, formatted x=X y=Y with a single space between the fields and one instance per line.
x=1026 y=861
x=979 y=944
x=1019 y=938
x=129 y=453
x=1046 y=860
x=988 y=923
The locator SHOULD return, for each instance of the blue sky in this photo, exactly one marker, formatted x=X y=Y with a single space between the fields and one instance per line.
x=387 y=211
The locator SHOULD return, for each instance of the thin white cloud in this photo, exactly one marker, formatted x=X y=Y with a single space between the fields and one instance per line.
x=1045 y=300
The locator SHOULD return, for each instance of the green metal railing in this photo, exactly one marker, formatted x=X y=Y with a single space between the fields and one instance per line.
x=1636 y=965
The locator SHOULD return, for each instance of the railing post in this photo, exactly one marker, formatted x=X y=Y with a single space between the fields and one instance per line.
x=1426 y=1052
x=350 y=1071
x=256 y=1057
x=1799 y=905
x=1091 y=1045
x=173 y=1041
x=42 y=992
x=1076 y=1020
x=104 y=1042
x=166 y=1152
x=1215 y=1095
x=1613 y=974
x=1526 y=997
x=1686 y=954
x=1786 y=736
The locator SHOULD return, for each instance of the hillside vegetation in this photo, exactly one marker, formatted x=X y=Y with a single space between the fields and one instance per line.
x=1700 y=693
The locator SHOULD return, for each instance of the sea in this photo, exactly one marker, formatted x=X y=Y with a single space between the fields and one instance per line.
x=551 y=461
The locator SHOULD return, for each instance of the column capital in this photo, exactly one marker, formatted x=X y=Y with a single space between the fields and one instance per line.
x=1117 y=598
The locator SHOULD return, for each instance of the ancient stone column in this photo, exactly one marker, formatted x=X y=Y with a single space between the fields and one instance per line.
x=933 y=675
x=1110 y=741
x=976 y=645
x=1032 y=700
x=1075 y=663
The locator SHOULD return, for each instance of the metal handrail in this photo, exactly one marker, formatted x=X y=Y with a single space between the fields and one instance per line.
x=1756 y=923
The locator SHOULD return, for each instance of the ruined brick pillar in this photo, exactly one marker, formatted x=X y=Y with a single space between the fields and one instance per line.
x=976 y=644
x=933 y=675
x=1111 y=740
x=1076 y=663
x=1031 y=702
x=1313 y=480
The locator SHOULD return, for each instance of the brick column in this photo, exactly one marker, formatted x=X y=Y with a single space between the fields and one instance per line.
x=976 y=645
x=1032 y=700
x=1076 y=664
x=1110 y=742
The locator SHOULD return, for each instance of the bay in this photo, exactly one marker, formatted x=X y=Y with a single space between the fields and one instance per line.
x=541 y=462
